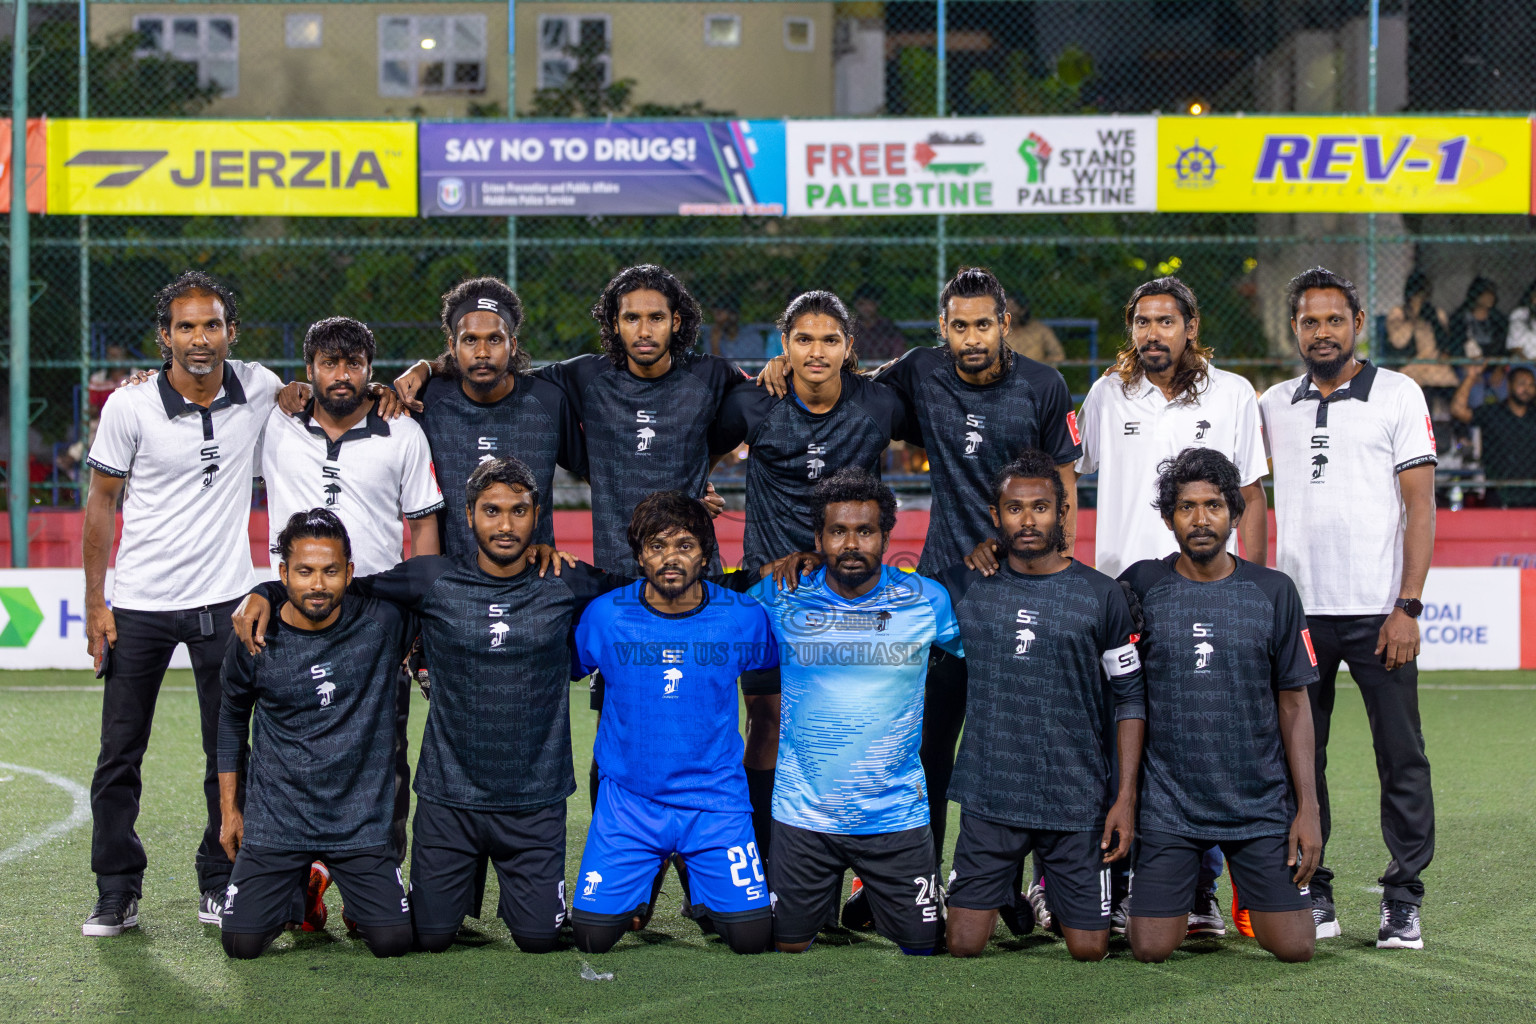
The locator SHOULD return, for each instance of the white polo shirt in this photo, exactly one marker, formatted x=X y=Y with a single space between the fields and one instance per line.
x=186 y=514
x=1125 y=437
x=370 y=476
x=1338 y=504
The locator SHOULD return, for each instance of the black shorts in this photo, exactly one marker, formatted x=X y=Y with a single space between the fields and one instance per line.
x=987 y=860
x=267 y=888
x=762 y=682
x=527 y=848
x=805 y=876
x=1168 y=868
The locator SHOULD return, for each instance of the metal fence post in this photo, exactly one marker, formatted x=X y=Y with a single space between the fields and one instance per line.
x=511 y=115
x=940 y=105
x=21 y=272
x=83 y=65
x=1370 y=218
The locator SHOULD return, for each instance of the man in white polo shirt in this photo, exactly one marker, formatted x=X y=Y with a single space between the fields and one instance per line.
x=339 y=453
x=1161 y=397
x=1354 y=462
x=180 y=447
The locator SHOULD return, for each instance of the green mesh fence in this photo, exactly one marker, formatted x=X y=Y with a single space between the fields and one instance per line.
x=92 y=277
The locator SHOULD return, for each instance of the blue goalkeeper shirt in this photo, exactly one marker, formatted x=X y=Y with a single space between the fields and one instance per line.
x=669 y=728
x=851 y=718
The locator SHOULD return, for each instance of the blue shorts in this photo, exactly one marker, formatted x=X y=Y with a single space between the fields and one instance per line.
x=630 y=840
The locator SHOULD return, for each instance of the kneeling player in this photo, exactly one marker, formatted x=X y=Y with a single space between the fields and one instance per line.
x=321 y=779
x=1035 y=773
x=1229 y=757
x=670 y=648
x=849 y=788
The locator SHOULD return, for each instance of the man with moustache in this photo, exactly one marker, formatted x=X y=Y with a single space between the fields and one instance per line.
x=854 y=639
x=1354 y=463
x=1229 y=751
x=478 y=400
x=1054 y=703
x=320 y=779
x=671 y=646
x=178 y=450
x=495 y=766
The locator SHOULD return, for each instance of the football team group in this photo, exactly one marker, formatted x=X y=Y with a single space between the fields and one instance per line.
x=1140 y=727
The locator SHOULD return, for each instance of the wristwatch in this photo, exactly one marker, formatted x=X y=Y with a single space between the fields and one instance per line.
x=1411 y=606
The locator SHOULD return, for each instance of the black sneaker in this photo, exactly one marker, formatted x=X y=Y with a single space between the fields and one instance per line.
x=856 y=913
x=1019 y=916
x=1118 y=918
x=114 y=912
x=1399 y=926
x=1205 y=920
x=1325 y=917
x=210 y=909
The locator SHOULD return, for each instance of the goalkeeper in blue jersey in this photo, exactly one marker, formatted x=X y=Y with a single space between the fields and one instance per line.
x=670 y=648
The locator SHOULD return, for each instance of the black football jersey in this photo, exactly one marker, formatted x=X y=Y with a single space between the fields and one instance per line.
x=971 y=432
x=535 y=423
x=793 y=449
x=321 y=774
x=1216 y=657
x=643 y=435
x=1051 y=666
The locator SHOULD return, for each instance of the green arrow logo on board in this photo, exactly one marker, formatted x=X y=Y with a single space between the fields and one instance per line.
x=25 y=615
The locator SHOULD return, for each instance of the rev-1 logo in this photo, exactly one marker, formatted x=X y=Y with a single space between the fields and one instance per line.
x=1300 y=158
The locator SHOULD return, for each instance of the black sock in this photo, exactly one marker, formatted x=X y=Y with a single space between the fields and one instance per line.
x=760 y=792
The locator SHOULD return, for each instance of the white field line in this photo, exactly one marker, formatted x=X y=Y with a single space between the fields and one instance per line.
x=78 y=815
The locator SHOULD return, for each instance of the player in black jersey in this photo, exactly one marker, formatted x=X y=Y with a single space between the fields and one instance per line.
x=479 y=401
x=1229 y=754
x=1052 y=667
x=321 y=779
x=648 y=403
x=495 y=765
x=832 y=418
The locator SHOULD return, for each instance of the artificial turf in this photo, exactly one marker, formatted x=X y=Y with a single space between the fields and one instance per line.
x=1479 y=963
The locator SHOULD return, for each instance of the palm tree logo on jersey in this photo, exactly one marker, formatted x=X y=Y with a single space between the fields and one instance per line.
x=1201 y=428
x=815 y=463
x=499 y=631
x=644 y=435
x=1025 y=637
x=1319 y=463
x=332 y=492
x=593 y=880
x=209 y=472
x=1203 y=653
x=673 y=677
x=972 y=442
x=326 y=691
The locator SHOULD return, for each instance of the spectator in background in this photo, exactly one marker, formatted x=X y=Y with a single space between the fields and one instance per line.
x=106 y=378
x=724 y=337
x=1509 y=433
x=1029 y=337
x=1477 y=329
x=1417 y=333
x=1522 y=326
x=879 y=339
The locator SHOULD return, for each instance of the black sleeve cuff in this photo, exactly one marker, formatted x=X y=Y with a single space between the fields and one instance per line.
x=102 y=467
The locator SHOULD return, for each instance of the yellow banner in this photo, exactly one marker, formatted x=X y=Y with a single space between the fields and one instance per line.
x=295 y=168
x=1344 y=164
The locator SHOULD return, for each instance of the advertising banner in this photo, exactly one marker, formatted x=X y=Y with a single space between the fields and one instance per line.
x=972 y=165
x=37 y=192
x=262 y=168
x=1471 y=619
x=1344 y=164
x=568 y=168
